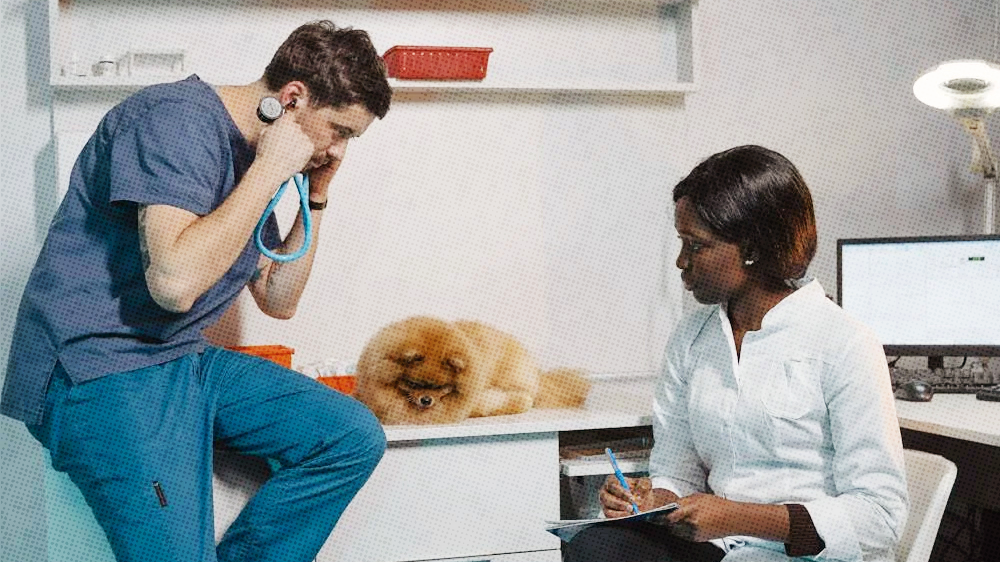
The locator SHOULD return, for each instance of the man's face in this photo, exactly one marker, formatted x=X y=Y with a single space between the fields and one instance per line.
x=330 y=128
x=711 y=268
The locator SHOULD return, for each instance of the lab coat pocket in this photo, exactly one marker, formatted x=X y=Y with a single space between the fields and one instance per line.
x=793 y=389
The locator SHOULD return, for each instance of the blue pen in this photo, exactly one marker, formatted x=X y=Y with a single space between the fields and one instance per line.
x=621 y=478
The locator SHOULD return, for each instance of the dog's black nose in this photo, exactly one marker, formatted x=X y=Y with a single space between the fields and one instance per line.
x=426 y=401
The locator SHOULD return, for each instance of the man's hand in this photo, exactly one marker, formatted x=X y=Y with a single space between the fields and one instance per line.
x=319 y=180
x=284 y=148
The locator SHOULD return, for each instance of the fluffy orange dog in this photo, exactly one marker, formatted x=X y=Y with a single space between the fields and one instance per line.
x=424 y=370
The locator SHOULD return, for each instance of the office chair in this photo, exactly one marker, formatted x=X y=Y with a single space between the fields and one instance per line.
x=929 y=479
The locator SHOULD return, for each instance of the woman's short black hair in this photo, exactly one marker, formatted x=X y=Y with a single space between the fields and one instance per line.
x=756 y=198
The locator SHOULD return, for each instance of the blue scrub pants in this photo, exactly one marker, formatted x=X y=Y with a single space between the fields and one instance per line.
x=139 y=446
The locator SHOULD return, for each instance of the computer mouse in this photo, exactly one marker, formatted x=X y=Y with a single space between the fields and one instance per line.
x=915 y=391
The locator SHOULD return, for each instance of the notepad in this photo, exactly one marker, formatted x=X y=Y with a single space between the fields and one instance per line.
x=566 y=529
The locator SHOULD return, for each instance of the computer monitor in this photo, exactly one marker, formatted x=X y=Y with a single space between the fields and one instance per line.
x=931 y=296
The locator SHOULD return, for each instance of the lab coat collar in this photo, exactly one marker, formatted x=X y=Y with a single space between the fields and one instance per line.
x=809 y=290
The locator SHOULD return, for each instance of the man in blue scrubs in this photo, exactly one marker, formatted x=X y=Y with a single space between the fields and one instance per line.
x=108 y=366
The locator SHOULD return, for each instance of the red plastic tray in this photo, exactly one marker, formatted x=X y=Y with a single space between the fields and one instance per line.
x=278 y=353
x=437 y=63
x=346 y=384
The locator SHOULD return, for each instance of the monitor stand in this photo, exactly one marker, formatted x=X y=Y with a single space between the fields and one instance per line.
x=935 y=362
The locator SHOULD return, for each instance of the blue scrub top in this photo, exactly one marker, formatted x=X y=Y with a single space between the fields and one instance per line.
x=86 y=304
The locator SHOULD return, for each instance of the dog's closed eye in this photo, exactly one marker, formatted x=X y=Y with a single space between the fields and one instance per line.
x=408 y=358
x=454 y=364
x=411 y=384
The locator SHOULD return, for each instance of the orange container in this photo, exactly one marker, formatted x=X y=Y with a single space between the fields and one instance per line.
x=278 y=353
x=343 y=383
x=437 y=63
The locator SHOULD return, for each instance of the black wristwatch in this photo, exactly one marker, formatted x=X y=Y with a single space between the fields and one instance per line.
x=314 y=206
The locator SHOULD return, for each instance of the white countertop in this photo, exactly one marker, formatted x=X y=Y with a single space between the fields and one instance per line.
x=611 y=403
x=627 y=403
x=961 y=416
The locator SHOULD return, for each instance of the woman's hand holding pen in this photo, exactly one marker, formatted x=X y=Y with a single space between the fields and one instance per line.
x=617 y=502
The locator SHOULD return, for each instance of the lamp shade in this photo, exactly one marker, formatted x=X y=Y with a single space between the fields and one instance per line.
x=960 y=84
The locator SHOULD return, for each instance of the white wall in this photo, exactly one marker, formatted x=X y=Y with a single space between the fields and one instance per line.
x=546 y=220
x=829 y=84
x=586 y=204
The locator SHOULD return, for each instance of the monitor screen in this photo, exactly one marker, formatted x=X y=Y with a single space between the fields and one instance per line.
x=935 y=296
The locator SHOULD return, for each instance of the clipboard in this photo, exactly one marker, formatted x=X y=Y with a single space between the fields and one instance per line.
x=566 y=529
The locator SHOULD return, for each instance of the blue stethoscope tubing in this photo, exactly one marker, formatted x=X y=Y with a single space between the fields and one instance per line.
x=302 y=184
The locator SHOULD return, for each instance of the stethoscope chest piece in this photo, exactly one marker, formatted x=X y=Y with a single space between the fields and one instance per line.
x=269 y=109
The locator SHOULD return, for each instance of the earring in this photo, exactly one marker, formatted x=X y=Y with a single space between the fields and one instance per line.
x=747 y=262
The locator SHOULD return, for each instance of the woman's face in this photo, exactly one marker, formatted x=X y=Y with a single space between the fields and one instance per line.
x=712 y=269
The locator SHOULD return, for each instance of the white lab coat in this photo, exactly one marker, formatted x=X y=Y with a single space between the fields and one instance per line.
x=804 y=415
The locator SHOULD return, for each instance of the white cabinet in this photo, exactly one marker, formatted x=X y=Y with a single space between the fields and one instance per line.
x=475 y=498
x=453 y=498
x=478 y=491
x=539 y=45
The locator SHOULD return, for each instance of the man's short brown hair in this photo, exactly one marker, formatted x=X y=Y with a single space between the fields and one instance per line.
x=340 y=66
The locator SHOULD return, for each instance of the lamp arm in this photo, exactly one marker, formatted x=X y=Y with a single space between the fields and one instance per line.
x=985 y=161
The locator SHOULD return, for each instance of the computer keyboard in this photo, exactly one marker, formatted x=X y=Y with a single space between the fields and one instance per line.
x=991 y=394
x=950 y=381
x=950 y=388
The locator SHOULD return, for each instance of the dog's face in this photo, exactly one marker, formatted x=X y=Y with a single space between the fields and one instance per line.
x=419 y=371
x=424 y=384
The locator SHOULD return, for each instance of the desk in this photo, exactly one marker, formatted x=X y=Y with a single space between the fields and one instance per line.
x=479 y=490
x=958 y=416
x=966 y=431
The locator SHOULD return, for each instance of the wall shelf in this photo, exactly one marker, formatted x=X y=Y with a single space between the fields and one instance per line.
x=629 y=47
x=134 y=83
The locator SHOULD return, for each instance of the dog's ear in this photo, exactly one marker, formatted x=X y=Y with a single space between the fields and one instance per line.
x=408 y=358
x=454 y=364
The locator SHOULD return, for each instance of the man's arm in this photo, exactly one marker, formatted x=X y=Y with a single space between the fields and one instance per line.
x=184 y=255
x=277 y=286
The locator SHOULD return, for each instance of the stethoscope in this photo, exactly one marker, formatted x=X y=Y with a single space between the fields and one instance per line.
x=268 y=111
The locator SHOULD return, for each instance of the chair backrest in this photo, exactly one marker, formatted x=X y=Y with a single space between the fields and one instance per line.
x=929 y=479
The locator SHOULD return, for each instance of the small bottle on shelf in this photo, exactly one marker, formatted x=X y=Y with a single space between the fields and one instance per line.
x=106 y=66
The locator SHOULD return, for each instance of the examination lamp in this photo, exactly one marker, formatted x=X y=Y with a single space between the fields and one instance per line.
x=969 y=90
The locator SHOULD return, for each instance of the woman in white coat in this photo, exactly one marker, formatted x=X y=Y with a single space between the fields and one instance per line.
x=774 y=423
